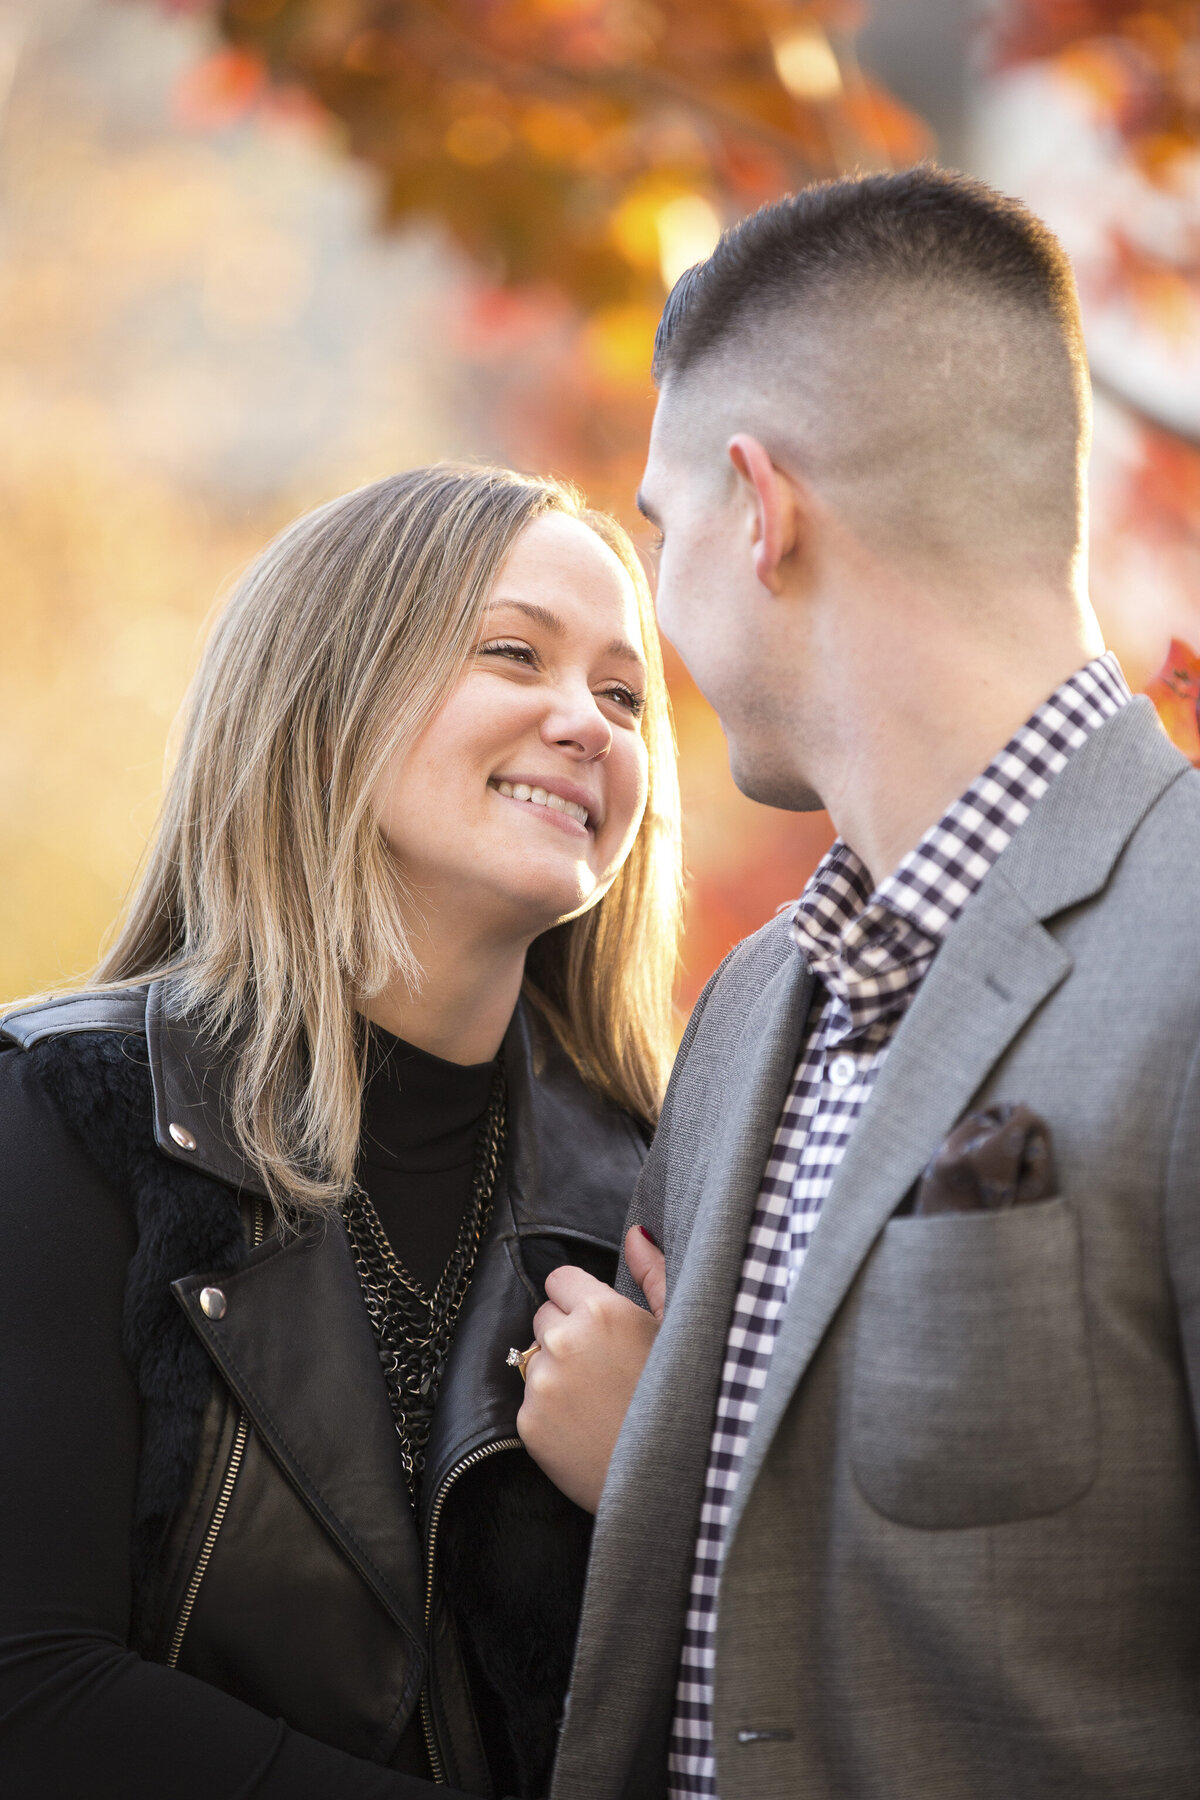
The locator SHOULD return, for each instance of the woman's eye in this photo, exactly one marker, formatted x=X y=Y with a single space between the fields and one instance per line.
x=634 y=703
x=512 y=650
x=517 y=652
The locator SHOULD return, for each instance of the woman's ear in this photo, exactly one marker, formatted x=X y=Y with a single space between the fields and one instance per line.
x=776 y=509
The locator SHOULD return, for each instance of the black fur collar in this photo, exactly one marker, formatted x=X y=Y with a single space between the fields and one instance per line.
x=100 y=1083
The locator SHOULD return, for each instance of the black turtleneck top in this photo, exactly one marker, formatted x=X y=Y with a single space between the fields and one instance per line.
x=416 y=1163
x=421 y=1122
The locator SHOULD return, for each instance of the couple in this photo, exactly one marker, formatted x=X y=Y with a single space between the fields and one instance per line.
x=906 y=1501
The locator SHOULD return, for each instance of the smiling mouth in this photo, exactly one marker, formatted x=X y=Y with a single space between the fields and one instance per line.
x=540 y=796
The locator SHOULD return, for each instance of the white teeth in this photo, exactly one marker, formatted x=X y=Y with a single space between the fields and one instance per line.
x=539 y=796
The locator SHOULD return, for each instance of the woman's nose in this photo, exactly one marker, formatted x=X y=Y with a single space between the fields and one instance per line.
x=575 y=722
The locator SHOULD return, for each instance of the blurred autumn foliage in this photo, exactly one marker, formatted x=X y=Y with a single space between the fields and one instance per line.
x=593 y=144
x=1138 y=70
x=1092 y=112
x=1145 y=59
x=584 y=153
x=1175 y=690
x=200 y=334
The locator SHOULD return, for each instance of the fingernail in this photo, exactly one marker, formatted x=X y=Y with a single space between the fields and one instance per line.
x=649 y=1239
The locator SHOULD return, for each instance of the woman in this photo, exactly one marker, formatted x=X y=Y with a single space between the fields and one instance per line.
x=375 y=1049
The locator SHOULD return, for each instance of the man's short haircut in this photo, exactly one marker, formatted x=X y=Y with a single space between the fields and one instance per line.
x=925 y=228
x=911 y=344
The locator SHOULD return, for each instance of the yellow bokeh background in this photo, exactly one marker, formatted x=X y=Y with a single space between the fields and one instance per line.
x=200 y=335
x=206 y=328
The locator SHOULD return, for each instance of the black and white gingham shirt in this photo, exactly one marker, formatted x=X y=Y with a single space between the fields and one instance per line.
x=869 y=952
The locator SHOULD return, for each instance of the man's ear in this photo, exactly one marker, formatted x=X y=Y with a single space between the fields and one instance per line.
x=776 y=508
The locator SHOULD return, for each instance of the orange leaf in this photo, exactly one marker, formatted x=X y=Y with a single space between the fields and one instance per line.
x=220 y=90
x=1175 y=691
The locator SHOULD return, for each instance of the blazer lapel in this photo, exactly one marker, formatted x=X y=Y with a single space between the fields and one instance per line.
x=990 y=976
x=998 y=964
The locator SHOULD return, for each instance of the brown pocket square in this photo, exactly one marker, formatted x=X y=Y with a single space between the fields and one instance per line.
x=993 y=1159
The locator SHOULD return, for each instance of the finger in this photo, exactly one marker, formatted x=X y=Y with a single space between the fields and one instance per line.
x=569 y=1287
x=544 y=1318
x=532 y=1373
x=648 y=1266
x=527 y=1421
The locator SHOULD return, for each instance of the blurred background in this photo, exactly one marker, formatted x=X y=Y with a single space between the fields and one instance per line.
x=256 y=253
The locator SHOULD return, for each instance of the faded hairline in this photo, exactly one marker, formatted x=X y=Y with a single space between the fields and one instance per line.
x=934 y=416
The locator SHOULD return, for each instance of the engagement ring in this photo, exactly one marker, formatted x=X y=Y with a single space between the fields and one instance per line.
x=519 y=1359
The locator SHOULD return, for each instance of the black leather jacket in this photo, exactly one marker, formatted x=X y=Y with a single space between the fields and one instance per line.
x=284 y=1563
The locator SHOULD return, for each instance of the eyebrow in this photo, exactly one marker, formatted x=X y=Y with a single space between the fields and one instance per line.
x=618 y=647
x=645 y=508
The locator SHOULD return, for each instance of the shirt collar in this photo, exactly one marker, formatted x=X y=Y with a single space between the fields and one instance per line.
x=871 y=949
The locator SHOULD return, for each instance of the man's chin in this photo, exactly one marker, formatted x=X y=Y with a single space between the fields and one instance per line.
x=770 y=785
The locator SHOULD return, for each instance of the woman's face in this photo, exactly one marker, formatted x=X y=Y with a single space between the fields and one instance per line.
x=521 y=799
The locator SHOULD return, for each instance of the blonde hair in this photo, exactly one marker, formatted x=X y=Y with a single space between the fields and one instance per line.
x=268 y=896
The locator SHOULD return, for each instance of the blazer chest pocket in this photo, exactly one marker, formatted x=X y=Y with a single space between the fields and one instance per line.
x=973 y=1400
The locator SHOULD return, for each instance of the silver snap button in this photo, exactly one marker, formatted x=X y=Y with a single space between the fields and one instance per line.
x=213 y=1303
x=842 y=1071
x=182 y=1136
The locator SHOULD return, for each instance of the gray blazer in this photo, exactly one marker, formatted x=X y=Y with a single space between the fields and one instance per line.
x=965 y=1554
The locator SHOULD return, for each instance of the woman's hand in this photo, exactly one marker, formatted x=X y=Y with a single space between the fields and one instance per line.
x=594 y=1345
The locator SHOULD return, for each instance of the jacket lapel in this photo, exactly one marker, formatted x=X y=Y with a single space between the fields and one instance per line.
x=997 y=966
x=315 y=1392
x=296 y=1348
x=571 y=1163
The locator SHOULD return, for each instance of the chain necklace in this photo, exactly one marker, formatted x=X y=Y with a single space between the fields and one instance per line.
x=414 y=1328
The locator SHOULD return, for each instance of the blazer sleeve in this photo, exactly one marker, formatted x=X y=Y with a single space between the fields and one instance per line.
x=647 y=1206
x=1182 y=1227
x=80 y=1713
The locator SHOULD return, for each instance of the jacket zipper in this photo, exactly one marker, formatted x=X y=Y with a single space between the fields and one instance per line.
x=437 y=1765
x=223 y=1499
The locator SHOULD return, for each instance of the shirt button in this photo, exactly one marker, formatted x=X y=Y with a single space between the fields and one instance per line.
x=842 y=1071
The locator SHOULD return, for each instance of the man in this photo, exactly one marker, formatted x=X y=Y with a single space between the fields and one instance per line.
x=903 y=1504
